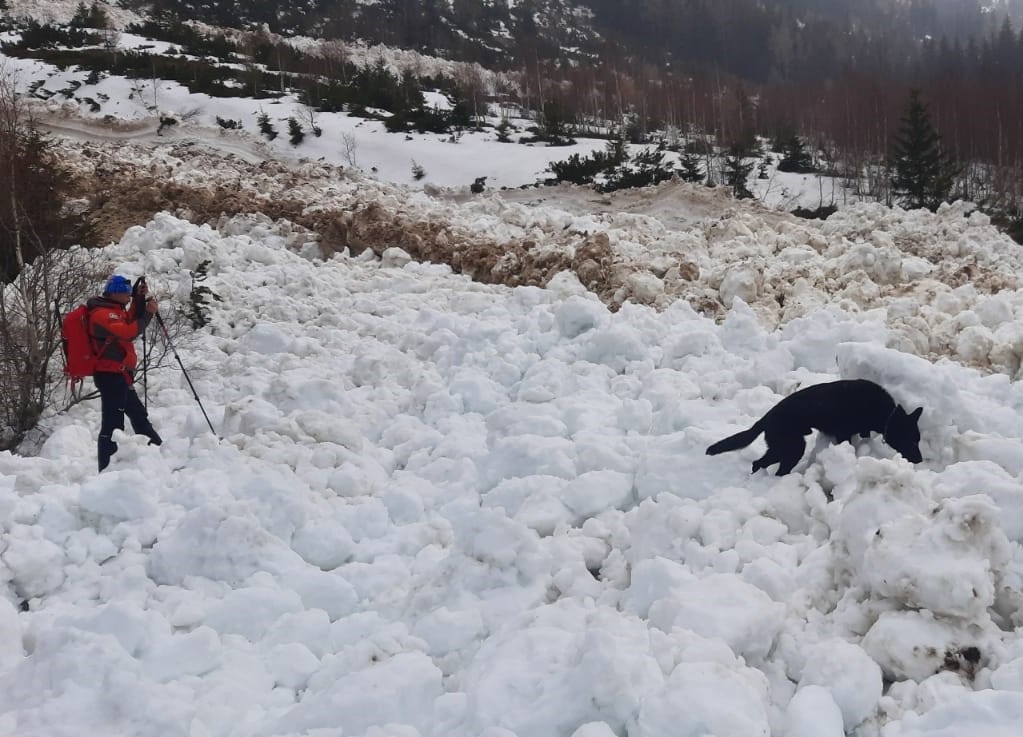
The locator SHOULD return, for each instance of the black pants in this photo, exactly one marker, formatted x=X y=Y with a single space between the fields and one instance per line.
x=117 y=399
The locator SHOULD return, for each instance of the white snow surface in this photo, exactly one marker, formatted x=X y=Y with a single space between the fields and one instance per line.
x=439 y=508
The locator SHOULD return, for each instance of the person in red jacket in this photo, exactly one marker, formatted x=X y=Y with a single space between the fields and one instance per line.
x=116 y=318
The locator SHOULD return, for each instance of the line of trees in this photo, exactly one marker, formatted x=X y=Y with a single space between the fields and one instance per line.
x=850 y=123
x=920 y=173
x=793 y=40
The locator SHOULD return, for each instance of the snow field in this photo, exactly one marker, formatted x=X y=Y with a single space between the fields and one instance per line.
x=446 y=508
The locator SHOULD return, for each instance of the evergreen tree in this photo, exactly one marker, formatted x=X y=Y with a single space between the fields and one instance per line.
x=266 y=127
x=93 y=16
x=554 y=122
x=81 y=16
x=410 y=94
x=691 y=169
x=737 y=170
x=295 y=133
x=503 y=130
x=644 y=169
x=795 y=157
x=923 y=172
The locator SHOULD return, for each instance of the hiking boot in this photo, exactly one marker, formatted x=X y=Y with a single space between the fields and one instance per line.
x=106 y=448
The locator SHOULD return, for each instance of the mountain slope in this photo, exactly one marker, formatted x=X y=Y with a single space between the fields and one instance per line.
x=747 y=38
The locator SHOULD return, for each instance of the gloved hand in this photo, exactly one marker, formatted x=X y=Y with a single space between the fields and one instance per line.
x=138 y=295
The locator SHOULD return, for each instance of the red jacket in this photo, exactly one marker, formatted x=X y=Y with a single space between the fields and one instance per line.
x=113 y=327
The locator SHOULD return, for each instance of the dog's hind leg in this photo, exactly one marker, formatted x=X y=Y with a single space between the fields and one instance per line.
x=763 y=462
x=771 y=456
x=790 y=453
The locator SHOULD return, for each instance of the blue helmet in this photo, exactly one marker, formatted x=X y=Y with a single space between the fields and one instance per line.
x=118 y=284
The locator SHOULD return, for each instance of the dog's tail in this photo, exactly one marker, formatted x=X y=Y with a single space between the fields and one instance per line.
x=734 y=442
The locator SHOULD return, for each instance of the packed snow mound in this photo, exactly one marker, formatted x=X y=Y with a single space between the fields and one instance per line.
x=942 y=284
x=441 y=508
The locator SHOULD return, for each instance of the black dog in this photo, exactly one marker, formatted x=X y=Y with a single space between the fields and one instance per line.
x=839 y=409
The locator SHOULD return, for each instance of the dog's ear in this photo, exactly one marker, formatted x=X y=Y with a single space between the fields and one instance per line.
x=915 y=414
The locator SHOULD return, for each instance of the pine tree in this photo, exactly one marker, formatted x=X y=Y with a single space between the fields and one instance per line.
x=737 y=171
x=93 y=16
x=295 y=133
x=266 y=127
x=795 y=156
x=81 y=16
x=554 y=124
x=690 y=168
x=923 y=172
x=503 y=129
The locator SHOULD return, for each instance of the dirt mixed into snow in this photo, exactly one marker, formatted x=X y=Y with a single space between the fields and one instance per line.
x=944 y=284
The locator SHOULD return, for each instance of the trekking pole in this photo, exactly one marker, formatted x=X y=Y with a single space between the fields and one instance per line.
x=170 y=344
x=139 y=306
x=58 y=318
x=145 y=376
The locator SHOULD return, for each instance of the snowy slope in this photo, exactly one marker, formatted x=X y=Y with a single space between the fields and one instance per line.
x=438 y=507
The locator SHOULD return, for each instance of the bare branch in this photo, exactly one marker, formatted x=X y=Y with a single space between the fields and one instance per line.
x=41 y=276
